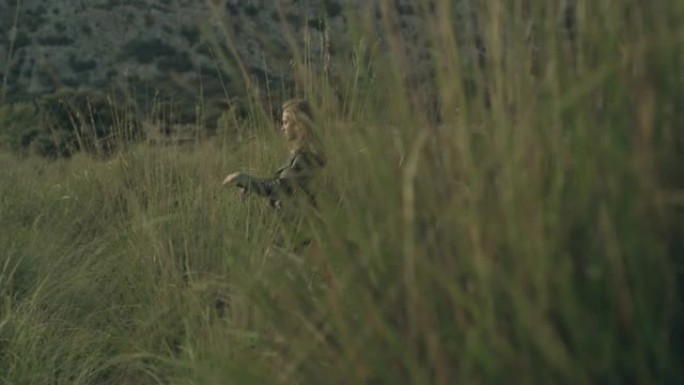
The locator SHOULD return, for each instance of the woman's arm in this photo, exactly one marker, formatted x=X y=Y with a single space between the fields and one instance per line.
x=295 y=174
x=267 y=187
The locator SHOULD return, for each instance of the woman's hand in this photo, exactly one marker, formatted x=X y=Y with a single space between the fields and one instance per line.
x=230 y=179
x=243 y=195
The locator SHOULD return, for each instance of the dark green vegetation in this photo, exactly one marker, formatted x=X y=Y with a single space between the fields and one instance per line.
x=66 y=122
x=522 y=223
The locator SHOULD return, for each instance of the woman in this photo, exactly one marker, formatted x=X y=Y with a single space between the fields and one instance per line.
x=292 y=181
x=294 y=177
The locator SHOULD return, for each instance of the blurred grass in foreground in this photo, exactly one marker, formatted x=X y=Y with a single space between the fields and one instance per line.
x=532 y=235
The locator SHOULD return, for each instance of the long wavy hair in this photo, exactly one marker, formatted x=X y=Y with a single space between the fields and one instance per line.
x=306 y=138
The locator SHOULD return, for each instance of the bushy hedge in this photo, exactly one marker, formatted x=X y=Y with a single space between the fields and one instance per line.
x=19 y=126
x=59 y=124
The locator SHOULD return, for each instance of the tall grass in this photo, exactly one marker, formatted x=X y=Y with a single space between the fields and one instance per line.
x=528 y=231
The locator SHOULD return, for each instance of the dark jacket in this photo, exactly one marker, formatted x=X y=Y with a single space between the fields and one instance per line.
x=292 y=178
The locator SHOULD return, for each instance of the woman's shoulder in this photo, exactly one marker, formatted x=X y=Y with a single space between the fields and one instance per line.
x=309 y=157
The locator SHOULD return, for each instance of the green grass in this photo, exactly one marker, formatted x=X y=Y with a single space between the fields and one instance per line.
x=533 y=235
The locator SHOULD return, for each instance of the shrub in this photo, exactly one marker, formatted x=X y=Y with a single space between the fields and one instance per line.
x=191 y=33
x=84 y=120
x=79 y=65
x=251 y=10
x=22 y=39
x=317 y=24
x=332 y=8
x=149 y=20
x=33 y=18
x=87 y=30
x=18 y=126
x=145 y=51
x=180 y=62
x=55 y=40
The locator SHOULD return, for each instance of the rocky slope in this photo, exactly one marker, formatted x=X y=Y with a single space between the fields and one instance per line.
x=96 y=42
x=169 y=47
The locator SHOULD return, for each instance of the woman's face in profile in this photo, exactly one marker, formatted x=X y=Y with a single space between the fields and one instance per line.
x=288 y=128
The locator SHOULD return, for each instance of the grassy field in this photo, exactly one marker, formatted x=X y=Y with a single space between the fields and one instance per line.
x=533 y=234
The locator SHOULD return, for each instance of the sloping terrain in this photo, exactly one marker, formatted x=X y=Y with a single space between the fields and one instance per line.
x=176 y=48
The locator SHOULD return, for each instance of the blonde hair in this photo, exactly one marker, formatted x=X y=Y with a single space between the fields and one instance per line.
x=306 y=137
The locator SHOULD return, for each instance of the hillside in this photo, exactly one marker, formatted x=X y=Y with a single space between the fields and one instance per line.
x=176 y=48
